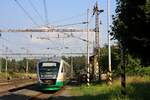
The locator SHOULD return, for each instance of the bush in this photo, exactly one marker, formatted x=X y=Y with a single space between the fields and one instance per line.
x=144 y=71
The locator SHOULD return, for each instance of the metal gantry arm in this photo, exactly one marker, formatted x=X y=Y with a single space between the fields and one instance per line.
x=46 y=30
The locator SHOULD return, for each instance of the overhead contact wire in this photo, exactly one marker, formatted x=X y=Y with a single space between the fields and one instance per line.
x=29 y=16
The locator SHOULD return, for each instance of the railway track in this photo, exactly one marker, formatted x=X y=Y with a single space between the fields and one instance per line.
x=30 y=93
x=47 y=95
x=14 y=84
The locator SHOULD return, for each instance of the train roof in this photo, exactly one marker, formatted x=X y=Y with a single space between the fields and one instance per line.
x=56 y=59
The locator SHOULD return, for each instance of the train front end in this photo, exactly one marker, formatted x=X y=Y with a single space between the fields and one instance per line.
x=47 y=75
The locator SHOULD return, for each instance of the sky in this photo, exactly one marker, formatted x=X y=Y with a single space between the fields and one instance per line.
x=59 y=12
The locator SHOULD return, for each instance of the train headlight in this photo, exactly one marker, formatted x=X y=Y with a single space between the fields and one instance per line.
x=42 y=76
x=48 y=76
x=51 y=76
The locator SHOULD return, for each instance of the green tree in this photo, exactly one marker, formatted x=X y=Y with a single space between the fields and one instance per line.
x=32 y=65
x=115 y=58
x=104 y=58
x=78 y=63
x=131 y=27
x=3 y=64
x=22 y=65
x=13 y=64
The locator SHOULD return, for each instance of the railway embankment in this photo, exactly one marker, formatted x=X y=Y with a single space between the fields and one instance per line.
x=15 y=84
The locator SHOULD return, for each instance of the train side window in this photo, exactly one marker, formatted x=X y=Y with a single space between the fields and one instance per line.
x=64 y=66
x=62 y=70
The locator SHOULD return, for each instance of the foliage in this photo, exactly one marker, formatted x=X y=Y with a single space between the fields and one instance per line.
x=18 y=65
x=133 y=64
x=131 y=27
x=115 y=58
x=143 y=71
x=78 y=63
x=32 y=65
x=104 y=59
x=137 y=89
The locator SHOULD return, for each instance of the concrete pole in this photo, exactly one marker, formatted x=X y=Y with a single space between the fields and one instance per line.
x=109 y=47
x=88 y=69
x=6 y=64
x=27 y=65
x=72 y=66
x=0 y=57
x=0 y=65
x=97 y=69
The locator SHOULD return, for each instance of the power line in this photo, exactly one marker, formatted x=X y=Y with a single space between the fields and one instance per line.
x=90 y=18
x=69 y=24
x=14 y=43
x=34 y=8
x=68 y=18
x=9 y=42
x=29 y=16
x=65 y=25
x=46 y=14
x=76 y=37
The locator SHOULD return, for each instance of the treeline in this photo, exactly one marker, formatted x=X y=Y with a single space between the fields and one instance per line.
x=131 y=27
x=133 y=64
x=18 y=65
x=78 y=62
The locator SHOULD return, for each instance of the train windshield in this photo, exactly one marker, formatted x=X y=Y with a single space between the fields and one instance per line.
x=48 y=69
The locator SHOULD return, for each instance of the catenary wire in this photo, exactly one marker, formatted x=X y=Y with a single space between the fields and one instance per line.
x=35 y=9
x=29 y=16
x=46 y=13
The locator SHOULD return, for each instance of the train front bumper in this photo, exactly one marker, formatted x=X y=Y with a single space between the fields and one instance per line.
x=57 y=86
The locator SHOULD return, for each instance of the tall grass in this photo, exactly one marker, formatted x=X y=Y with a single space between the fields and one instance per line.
x=138 y=88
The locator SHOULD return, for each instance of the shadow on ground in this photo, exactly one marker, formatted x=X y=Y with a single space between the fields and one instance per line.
x=14 y=97
x=139 y=91
x=135 y=91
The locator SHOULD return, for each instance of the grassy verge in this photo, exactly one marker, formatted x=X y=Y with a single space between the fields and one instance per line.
x=16 y=75
x=138 y=88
